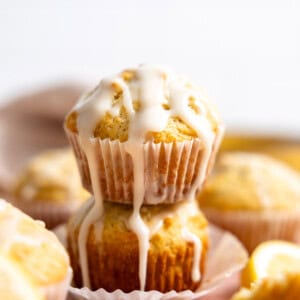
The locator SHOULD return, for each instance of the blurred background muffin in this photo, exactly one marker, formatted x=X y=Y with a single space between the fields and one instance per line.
x=111 y=252
x=49 y=187
x=280 y=147
x=254 y=196
x=33 y=264
x=30 y=124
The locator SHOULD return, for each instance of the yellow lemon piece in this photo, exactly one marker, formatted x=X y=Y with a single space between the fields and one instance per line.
x=270 y=259
x=13 y=283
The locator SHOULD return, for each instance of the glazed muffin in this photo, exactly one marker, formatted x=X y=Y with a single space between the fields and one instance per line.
x=107 y=255
x=145 y=128
x=255 y=197
x=49 y=188
x=33 y=264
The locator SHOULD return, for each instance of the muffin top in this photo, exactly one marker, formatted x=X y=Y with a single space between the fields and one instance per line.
x=148 y=103
x=51 y=176
x=248 y=181
x=29 y=253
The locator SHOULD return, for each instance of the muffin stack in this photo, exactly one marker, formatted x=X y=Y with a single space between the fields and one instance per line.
x=145 y=141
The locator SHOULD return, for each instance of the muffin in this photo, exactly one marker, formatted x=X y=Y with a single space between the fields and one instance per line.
x=255 y=197
x=288 y=153
x=286 y=150
x=107 y=255
x=49 y=188
x=145 y=128
x=33 y=264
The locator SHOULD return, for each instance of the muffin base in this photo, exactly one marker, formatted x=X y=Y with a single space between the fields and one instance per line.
x=115 y=264
x=225 y=257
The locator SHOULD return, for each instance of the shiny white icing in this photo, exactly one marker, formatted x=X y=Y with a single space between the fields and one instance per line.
x=95 y=212
x=10 y=219
x=153 y=87
x=191 y=237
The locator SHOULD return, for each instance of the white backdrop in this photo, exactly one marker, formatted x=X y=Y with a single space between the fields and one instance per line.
x=246 y=53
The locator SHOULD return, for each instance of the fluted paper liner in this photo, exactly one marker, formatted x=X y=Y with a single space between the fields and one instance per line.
x=58 y=291
x=225 y=256
x=253 y=228
x=170 y=168
x=112 y=267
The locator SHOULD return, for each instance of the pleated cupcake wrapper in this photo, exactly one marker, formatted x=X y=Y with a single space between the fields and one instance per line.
x=252 y=228
x=225 y=256
x=162 y=273
x=170 y=168
x=58 y=291
x=51 y=213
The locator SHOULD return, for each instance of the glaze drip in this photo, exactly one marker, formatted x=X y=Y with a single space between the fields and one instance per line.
x=191 y=237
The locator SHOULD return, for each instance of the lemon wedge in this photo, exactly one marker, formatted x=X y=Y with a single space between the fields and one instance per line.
x=270 y=259
x=272 y=273
x=285 y=286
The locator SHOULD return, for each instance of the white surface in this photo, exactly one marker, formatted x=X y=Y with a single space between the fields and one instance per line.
x=246 y=53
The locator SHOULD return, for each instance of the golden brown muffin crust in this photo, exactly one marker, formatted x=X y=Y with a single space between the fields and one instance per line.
x=113 y=260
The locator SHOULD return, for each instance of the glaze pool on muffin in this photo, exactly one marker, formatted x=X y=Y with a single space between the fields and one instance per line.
x=176 y=256
x=254 y=196
x=49 y=187
x=33 y=264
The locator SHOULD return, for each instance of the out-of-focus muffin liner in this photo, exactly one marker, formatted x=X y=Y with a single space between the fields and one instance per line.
x=170 y=168
x=225 y=256
x=252 y=228
x=58 y=291
x=51 y=213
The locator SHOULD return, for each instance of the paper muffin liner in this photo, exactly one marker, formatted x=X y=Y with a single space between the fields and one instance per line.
x=58 y=291
x=170 y=168
x=52 y=214
x=225 y=256
x=253 y=228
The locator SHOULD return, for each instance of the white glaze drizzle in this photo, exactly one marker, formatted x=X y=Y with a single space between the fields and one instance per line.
x=191 y=237
x=152 y=86
x=11 y=231
x=9 y=224
x=94 y=213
